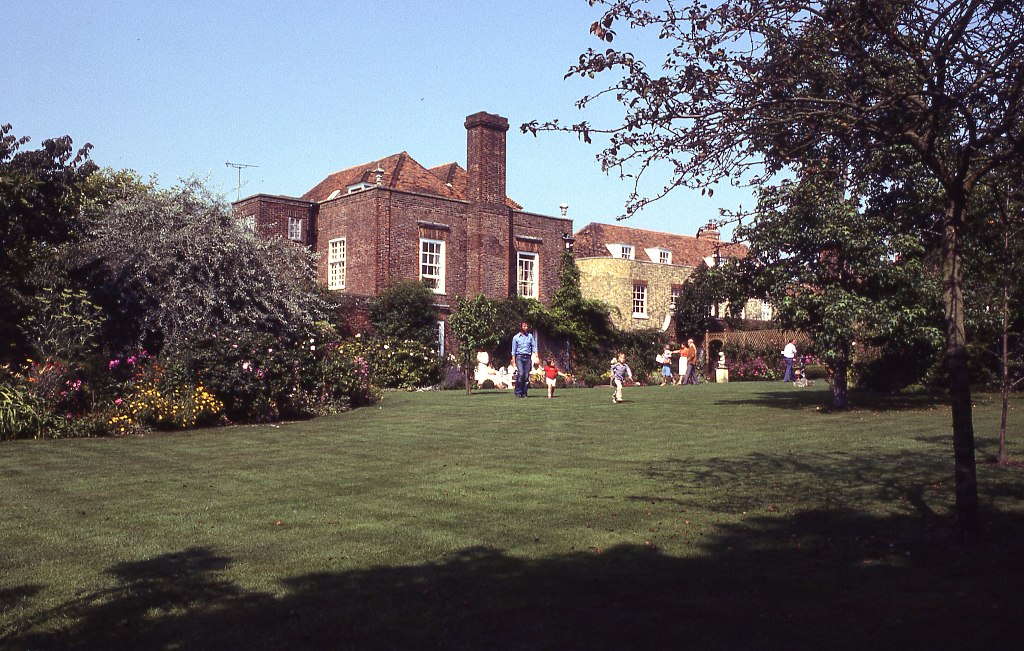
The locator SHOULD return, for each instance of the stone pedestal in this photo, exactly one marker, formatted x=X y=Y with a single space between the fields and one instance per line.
x=721 y=375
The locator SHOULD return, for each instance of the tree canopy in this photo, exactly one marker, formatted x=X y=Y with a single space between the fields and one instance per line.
x=41 y=198
x=840 y=273
x=170 y=265
x=751 y=88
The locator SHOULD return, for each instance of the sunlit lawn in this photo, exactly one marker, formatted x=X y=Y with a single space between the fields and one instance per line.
x=716 y=516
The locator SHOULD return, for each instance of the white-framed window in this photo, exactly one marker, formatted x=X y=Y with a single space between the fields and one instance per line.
x=432 y=264
x=336 y=262
x=659 y=255
x=674 y=297
x=640 y=300
x=526 y=273
x=295 y=229
x=248 y=223
x=766 y=311
x=619 y=250
x=440 y=338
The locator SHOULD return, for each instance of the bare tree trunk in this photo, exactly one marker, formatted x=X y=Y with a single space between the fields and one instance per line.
x=1006 y=355
x=965 y=471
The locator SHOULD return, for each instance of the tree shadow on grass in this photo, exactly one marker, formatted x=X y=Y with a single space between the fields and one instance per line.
x=753 y=585
x=833 y=479
x=786 y=397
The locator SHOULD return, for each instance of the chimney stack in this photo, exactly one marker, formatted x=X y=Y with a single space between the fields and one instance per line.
x=490 y=221
x=708 y=231
x=485 y=158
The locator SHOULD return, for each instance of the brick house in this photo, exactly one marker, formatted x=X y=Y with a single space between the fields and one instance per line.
x=640 y=272
x=393 y=219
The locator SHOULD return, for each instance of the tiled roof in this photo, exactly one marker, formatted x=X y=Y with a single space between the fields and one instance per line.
x=686 y=250
x=454 y=174
x=401 y=172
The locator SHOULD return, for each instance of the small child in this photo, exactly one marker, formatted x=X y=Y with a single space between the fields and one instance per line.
x=551 y=376
x=620 y=371
x=665 y=359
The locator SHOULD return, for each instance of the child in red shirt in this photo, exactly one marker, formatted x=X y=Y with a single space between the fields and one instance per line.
x=550 y=377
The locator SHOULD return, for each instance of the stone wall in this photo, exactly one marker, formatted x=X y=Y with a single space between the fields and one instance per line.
x=611 y=280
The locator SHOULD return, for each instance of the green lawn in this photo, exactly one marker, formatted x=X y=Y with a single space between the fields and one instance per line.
x=717 y=516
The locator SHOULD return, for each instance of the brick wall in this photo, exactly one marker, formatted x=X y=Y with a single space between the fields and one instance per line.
x=485 y=159
x=415 y=216
x=543 y=235
x=354 y=217
x=273 y=214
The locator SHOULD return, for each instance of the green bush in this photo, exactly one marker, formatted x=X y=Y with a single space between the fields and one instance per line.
x=405 y=311
x=594 y=378
x=396 y=363
x=891 y=367
x=815 y=372
x=343 y=380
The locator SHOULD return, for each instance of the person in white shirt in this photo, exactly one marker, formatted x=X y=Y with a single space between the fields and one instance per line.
x=789 y=352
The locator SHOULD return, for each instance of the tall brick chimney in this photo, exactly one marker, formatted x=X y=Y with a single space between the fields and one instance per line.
x=489 y=228
x=485 y=158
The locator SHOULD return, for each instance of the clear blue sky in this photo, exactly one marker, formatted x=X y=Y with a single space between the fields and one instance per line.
x=302 y=89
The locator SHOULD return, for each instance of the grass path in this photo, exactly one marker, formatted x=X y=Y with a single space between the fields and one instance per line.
x=716 y=516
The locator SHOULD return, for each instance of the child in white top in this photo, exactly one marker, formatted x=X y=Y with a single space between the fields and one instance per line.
x=620 y=371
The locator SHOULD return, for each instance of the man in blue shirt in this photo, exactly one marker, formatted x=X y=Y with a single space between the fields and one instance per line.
x=523 y=347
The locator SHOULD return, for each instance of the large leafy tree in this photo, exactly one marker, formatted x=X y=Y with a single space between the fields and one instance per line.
x=171 y=265
x=748 y=88
x=840 y=273
x=41 y=196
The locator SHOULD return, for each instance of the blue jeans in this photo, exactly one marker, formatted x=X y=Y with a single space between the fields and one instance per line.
x=524 y=364
x=788 y=377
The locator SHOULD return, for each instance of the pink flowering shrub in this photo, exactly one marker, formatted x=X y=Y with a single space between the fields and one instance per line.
x=261 y=378
x=752 y=365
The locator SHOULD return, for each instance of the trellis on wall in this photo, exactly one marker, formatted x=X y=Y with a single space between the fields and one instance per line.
x=754 y=339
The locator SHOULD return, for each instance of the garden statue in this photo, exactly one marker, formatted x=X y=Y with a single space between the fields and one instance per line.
x=722 y=372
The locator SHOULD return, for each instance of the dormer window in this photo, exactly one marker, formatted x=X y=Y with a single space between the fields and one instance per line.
x=359 y=187
x=660 y=255
x=624 y=251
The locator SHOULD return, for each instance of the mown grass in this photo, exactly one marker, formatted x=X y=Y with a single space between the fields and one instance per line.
x=716 y=516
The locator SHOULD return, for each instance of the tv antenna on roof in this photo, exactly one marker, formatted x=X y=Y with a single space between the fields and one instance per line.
x=239 y=167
